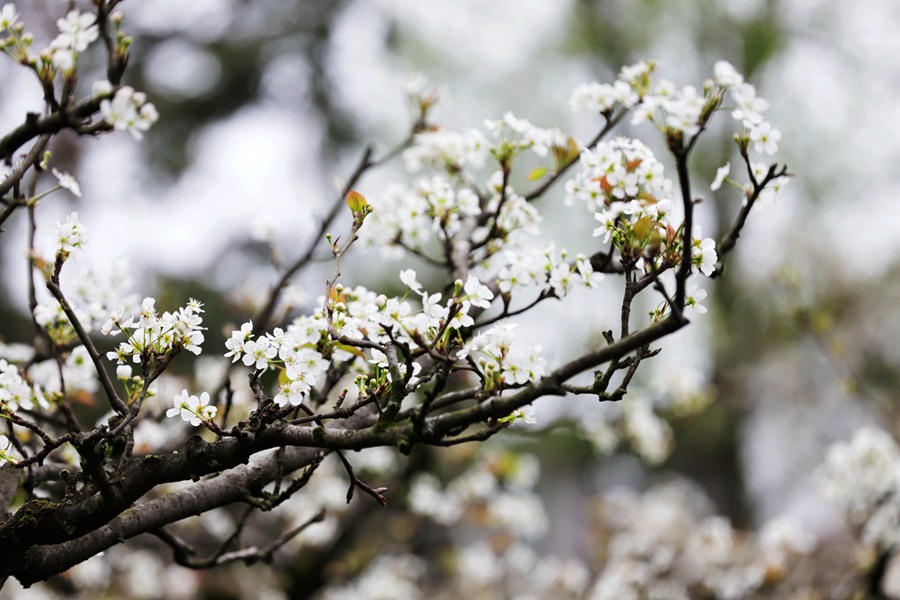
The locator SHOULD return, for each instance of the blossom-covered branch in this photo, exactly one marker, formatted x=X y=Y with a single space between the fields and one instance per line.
x=441 y=363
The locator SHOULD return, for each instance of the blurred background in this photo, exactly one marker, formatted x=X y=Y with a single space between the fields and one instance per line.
x=267 y=105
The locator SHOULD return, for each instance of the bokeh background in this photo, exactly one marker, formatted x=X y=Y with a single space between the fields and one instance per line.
x=266 y=105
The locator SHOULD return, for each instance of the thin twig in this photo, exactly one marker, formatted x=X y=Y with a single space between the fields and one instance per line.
x=32 y=158
x=114 y=401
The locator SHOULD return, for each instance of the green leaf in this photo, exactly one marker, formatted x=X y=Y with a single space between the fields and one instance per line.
x=537 y=173
x=642 y=228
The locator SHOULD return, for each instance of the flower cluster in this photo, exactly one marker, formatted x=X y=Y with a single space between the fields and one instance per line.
x=77 y=372
x=685 y=111
x=603 y=97
x=438 y=205
x=641 y=419
x=192 y=409
x=514 y=134
x=455 y=313
x=618 y=176
x=547 y=266
x=497 y=489
x=123 y=108
x=666 y=544
x=71 y=236
x=392 y=576
x=625 y=186
x=17 y=44
x=862 y=479
x=152 y=339
x=76 y=32
x=15 y=392
x=360 y=314
x=749 y=109
x=293 y=355
x=634 y=421
x=501 y=359
x=447 y=150
x=54 y=320
x=411 y=218
x=93 y=296
x=127 y=110
x=405 y=219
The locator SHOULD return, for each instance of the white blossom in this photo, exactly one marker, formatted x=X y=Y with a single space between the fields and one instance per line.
x=726 y=75
x=77 y=31
x=426 y=498
x=765 y=138
x=193 y=409
x=8 y=17
x=703 y=255
x=71 y=235
x=477 y=293
x=721 y=174
x=129 y=111
x=151 y=334
x=5 y=455
x=693 y=298
x=861 y=474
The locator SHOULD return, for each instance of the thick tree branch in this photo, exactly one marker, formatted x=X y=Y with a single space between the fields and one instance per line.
x=41 y=561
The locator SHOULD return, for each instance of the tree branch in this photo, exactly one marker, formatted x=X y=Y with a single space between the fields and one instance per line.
x=41 y=561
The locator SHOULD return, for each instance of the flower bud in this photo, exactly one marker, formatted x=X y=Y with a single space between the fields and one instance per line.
x=358 y=206
x=356 y=202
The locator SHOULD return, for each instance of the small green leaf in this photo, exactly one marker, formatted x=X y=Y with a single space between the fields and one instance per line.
x=642 y=228
x=537 y=173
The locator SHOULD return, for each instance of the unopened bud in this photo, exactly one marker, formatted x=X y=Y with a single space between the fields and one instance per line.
x=356 y=202
x=358 y=206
